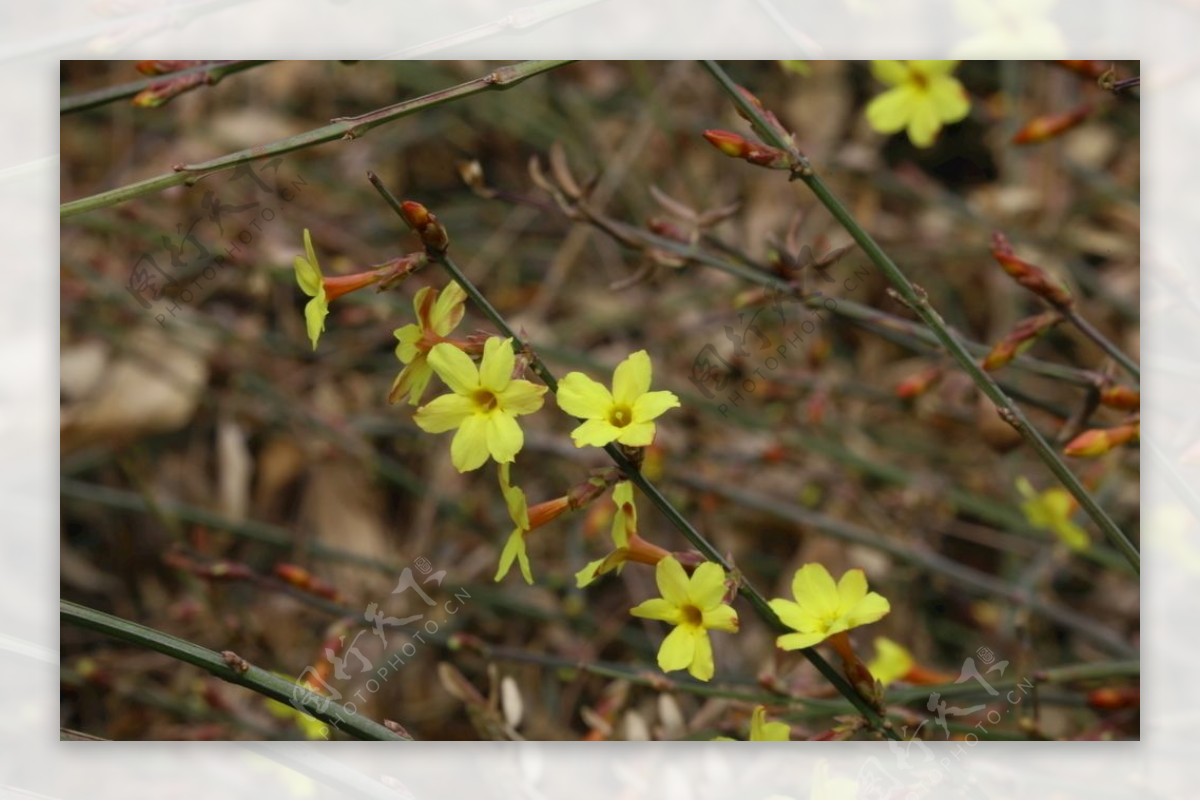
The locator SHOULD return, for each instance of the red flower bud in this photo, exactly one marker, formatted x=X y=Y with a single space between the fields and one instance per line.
x=1030 y=276
x=1099 y=441
x=433 y=234
x=739 y=147
x=1048 y=126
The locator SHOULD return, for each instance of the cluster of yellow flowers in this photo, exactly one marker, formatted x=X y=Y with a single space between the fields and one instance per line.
x=481 y=408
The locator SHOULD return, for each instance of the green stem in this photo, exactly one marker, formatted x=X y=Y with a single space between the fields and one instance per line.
x=1093 y=333
x=919 y=303
x=341 y=128
x=260 y=681
x=652 y=492
x=216 y=70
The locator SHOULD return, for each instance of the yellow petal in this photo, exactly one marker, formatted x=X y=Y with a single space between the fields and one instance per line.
x=892 y=73
x=655 y=609
x=454 y=367
x=631 y=379
x=794 y=615
x=950 y=101
x=852 y=588
x=706 y=587
x=308 y=271
x=582 y=397
x=309 y=253
x=636 y=435
x=423 y=303
x=514 y=498
x=469 y=450
x=891 y=111
x=672 y=580
x=448 y=310
x=596 y=433
x=722 y=618
x=411 y=382
x=625 y=519
x=521 y=397
x=307 y=276
x=315 y=312
x=892 y=661
x=677 y=650
x=588 y=574
x=924 y=124
x=514 y=549
x=763 y=731
x=496 y=368
x=444 y=413
x=868 y=610
x=702 y=657
x=794 y=642
x=815 y=591
x=652 y=404
x=407 y=336
x=504 y=437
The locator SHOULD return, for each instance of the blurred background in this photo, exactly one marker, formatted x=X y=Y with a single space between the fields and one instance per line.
x=224 y=482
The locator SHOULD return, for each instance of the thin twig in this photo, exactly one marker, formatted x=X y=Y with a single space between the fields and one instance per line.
x=216 y=71
x=342 y=128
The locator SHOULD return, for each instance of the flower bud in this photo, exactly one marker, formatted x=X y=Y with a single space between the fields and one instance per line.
x=425 y=223
x=161 y=92
x=1099 y=441
x=739 y=147
x=1020 y=339
x=919 y=383
x=1048 y=126
x=1030 y=276
x=1124 y=398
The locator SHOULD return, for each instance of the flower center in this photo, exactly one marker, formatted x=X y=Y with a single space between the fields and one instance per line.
x=691 y=615
x=920 y=79
x=484 y=399
x=620 y=416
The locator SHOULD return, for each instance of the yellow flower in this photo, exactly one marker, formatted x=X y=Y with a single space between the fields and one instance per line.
x=525 y=520
x=1051 y=511
x=892 y=661
x=323 y=290
x=692 y=606
x=763 y=731
x=924 y=95
x=312 y=283
x=625 y=414
x=483 y=404
x=437 y=315
x=629 y=546
x=514 y=548
x=822 y=609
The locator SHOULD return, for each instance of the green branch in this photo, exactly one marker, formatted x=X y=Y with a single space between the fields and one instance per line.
x=340 y=128
x=919 y=303
x=259 y=680
x=746 y=590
